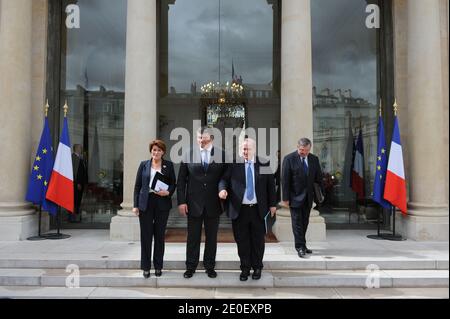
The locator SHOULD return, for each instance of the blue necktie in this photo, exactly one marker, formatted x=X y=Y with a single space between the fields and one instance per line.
x=305 y=167
x=250 y=188
x=205 y=160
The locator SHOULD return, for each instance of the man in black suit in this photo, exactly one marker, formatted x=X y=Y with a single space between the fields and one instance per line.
x=80 y=178
x=301 y=170
x=249 y=187
x=198 y=180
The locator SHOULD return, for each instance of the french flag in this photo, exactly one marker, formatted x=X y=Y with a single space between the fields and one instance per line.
x=358 y=168
x=60 y=189
x=395 y=187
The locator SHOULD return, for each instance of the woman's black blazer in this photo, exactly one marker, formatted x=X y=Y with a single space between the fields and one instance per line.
x=141 y=186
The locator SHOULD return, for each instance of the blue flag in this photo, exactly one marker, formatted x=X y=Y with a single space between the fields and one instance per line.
x=41 y=172
x=381 y=168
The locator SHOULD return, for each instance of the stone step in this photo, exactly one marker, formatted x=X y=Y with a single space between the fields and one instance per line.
x=282 y=262
x=181 y=294
x=227 y=279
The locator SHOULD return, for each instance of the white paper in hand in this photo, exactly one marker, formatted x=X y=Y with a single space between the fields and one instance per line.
x=161 y=186
x=266 y=221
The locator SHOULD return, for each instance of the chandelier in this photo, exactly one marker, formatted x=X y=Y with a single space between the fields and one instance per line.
x=223 y=94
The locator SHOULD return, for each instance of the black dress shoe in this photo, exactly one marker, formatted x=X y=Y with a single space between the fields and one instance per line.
x=158 y=272
x=256 y=274
x=244 y=276
x=189 y=273
x=146 y=274
x=211 y=273
x=301 y=253
x=308 y=251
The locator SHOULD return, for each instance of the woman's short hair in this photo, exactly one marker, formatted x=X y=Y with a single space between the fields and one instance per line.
x=158 y=143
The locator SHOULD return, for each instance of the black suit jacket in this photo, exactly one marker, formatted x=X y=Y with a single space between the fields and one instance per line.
x=80 y=175
x=297 y=187
x=198 y=188
x=141 y=186
x=234 y=182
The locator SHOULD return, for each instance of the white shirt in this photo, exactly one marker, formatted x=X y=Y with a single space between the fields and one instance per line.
x=246 y=201
x=152 y=176
x=205 y=154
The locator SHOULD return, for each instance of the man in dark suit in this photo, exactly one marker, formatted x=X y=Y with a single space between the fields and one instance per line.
x=301 y=170
x=198 y=180
x=249 y=187
x=80 y=178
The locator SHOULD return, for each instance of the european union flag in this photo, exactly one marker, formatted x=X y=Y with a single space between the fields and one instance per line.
x=41 y=172
x=381 y=168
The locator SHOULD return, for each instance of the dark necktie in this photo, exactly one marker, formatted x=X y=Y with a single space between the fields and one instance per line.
x=305 y=167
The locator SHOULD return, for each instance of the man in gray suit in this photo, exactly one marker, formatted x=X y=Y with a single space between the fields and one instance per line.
x=301 y=170
x=198 y=180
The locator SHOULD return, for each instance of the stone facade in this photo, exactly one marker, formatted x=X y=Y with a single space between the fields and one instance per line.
x=421 y=86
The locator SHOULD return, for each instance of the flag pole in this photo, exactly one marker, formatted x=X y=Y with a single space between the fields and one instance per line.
x=393 y=221
x=393 y=236
x=39 y=236
x=58 y=234
x=379 y=235
x=378 y=226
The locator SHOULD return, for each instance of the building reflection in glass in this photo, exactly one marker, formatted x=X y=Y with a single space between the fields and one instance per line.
x=195 y=48
x=345 y=99
x=93 y=83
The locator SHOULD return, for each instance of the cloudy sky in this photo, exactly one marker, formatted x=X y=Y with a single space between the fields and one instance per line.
x=246 y=37
x=343 y=49
x=96 y=51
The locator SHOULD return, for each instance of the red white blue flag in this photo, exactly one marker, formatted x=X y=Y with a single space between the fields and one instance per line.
x=395 y=187
x=60 y=189
x=358 y=168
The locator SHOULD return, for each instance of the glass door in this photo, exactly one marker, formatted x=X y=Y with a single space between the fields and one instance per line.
x=217 y=41
x=92 y=81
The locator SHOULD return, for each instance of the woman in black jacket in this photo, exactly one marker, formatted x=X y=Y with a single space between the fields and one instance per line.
x=152 y=204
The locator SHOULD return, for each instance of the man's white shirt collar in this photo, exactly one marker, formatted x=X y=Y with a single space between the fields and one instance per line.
x=250 y=161
x=209 y=148
x=305 y=158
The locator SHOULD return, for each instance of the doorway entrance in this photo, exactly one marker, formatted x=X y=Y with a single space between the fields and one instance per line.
x=219 y=47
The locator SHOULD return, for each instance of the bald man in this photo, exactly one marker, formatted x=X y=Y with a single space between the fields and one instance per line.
x=250 y=194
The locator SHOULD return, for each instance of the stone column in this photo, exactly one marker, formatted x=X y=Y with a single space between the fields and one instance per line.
x=38 y=82
x=296 y=101
x=17 y=218
x=427 y=217
x=140 y=107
